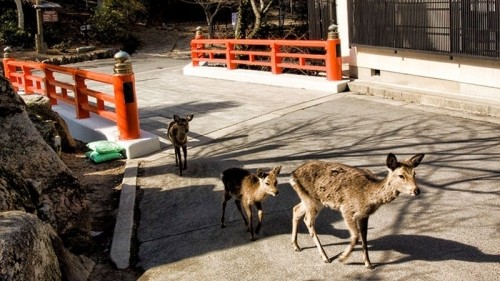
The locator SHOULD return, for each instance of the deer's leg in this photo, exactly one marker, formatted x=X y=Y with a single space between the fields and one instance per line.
x=298 y=213
x=184 y=150
x=310 y=218
x=227 y=196
x=248 y=211
x=363 y=229
x=176 y=152
x=238 y=205
x=353 y=230
x=260 y=214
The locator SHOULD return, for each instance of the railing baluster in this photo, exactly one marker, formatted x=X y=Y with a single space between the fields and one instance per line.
x=275 y=60
x=81 y=99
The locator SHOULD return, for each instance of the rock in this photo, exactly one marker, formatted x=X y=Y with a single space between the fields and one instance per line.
x=26 y=251
x=31 y=250
x=49 y=123
x=34 y=179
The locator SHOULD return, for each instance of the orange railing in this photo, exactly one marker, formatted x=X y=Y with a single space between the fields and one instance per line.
x=112 y=96
x=275 y=55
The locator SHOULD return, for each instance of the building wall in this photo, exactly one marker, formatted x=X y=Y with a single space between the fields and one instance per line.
x=466 y=77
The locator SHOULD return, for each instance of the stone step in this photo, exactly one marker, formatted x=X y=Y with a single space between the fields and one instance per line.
x=469 y=104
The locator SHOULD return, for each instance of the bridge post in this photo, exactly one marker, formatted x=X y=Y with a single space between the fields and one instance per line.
x=127 y=113
x=194 y=55
x=6 y=58
x=333 y=55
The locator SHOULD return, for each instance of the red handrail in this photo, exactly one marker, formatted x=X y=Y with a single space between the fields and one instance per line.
x=70 y=85
x=273 y=54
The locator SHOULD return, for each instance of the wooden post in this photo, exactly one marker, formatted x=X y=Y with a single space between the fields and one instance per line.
x=275 y=60
x=127 y=113
x=195 y=56
x=333 y=55
x=230 y=56
x=6 y=68
x=40 y=45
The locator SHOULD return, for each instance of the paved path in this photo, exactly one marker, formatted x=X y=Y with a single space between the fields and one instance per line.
x=449 y=232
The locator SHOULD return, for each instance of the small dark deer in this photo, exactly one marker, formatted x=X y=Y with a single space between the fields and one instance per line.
x=248 y=190
x=177 y=133
x=356 y=193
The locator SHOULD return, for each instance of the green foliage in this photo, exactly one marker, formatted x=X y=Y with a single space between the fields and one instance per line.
x=108 y=26
x=111 y=22
x=16 y=37
x=10 y=34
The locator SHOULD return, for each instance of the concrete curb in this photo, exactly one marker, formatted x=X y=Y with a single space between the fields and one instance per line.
x=124 y=226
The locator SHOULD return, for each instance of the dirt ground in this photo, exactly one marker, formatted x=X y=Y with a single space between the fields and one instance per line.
x=102 y=181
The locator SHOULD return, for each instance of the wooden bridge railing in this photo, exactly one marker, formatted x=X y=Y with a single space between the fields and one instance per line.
x=70 y=85
x=275 y=55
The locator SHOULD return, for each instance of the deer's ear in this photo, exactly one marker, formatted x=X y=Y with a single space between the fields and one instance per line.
x=189 y=117
x=392 y=161
x=415 y=160
x=277 y=170
x=260 y=173
x=176 y=118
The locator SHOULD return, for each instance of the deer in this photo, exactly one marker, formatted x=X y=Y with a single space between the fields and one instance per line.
x=356 y=193
x=249 y=189
x=177 y=133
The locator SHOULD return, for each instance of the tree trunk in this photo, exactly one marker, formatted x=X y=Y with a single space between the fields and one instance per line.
x=241 y=24
x=20 y=14
x=259 y=13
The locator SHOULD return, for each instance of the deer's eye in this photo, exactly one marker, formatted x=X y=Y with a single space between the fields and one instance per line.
x=401 y=176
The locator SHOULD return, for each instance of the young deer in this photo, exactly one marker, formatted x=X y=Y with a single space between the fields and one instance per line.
x=248 y=190
x=356 y=193
x=177 y=133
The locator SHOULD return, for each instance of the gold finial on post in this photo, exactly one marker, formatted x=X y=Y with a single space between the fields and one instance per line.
x=199 y=32
x=7 y=51
x=122 y=66
x=333 y=31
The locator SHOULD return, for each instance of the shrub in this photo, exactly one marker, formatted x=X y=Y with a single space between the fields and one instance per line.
x=16 y=37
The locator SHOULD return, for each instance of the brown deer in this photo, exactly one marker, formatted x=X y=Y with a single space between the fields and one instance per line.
x=177 y=134
x=248 y=190
x=356 y=193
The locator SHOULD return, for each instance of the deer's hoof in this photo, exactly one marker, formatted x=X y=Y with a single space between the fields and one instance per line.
x=222 y=226
x=369 y=266
x=342 y=259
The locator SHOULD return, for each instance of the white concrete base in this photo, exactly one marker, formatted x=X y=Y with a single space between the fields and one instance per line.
x=267 y=78
x=98 y=128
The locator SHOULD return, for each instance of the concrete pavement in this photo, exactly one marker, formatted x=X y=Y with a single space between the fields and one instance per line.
x=449 y=232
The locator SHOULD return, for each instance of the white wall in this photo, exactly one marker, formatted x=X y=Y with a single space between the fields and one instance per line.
x=342 y=20
x=458 y=75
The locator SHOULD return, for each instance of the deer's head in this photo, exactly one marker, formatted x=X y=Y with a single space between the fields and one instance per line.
x=268 y=181
x=182 y=127
x=402 y=174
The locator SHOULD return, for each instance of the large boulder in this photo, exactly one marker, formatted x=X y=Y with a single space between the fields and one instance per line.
x=26 y=249
x=31 y=250
x=34 y=179
x=49 y=123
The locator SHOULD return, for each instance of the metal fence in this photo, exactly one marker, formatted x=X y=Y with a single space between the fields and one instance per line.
x=454 y=27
